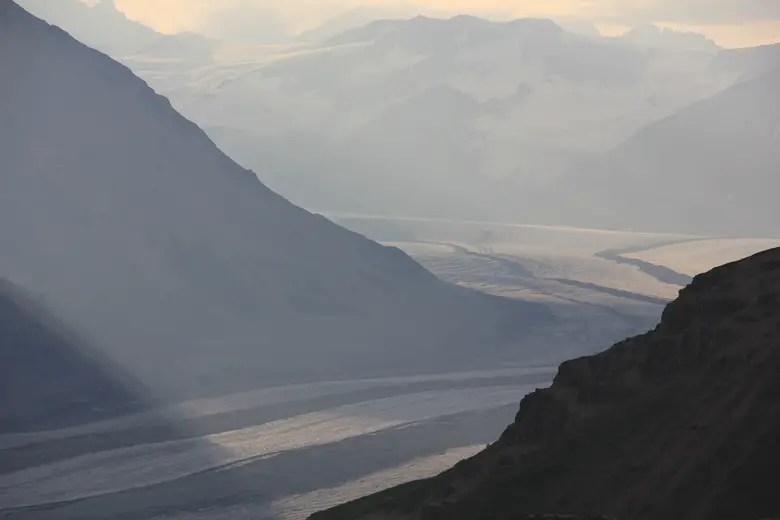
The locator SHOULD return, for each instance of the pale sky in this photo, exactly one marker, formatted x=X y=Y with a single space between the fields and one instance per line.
x=731 y=23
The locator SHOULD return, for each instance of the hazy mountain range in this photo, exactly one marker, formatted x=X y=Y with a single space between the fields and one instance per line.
x=461 y=118
x=458 y=118
x=524 y=101
x=180 y=266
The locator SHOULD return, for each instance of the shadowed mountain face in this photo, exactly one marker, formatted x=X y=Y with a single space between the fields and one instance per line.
x=178 y=265
x=49 y=377
x=710 y=169
x=683 y=422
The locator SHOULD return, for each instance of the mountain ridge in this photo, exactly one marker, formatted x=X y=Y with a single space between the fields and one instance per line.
x=653 y=36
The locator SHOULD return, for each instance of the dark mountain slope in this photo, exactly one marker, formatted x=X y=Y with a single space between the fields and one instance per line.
x=49 y=377
x=709 y=169
x=683 y=423
x=180 y=266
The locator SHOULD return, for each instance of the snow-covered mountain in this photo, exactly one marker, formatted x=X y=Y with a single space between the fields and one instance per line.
x=178 y=265
x=526 y=98
x=652 y=36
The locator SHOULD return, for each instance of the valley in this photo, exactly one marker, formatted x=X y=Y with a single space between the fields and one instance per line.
x=245 y=455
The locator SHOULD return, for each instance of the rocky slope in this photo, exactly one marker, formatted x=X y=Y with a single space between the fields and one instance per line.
x=178 y=265
x=682 y=422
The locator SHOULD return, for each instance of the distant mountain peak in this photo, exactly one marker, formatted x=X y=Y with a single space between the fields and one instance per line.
x=537 y=23
x=652 y=35
x=424 y=32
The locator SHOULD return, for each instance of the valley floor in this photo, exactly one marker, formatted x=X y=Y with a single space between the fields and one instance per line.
x=285 y=452
x=266 y=454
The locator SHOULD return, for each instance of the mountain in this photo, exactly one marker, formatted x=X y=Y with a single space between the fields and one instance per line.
x=424 y=33
x=533 y=121
x=532 y=98
x=682 y=422
x=650 y=35
x=709 y=169
x=751 y=62
x=577 y=25
x=101 y=26
x=535 y=103
x=364 y=15
x=356 y=17
x=179 y=266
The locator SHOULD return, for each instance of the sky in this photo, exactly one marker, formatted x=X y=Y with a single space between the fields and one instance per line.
x=731 y=23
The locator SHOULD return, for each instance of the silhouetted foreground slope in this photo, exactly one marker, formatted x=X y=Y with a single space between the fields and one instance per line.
x=180 y=266
x=681 y=423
